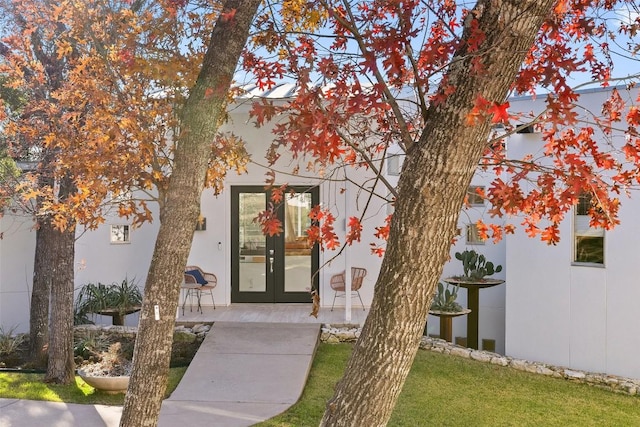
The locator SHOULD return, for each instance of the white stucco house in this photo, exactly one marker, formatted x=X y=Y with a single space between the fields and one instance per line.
x=553 y=307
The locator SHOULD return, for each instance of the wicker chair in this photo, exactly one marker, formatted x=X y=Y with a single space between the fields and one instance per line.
x=197 y=283
x=338 y=284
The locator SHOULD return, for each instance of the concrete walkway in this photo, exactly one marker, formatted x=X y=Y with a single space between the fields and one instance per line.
x=242 y=374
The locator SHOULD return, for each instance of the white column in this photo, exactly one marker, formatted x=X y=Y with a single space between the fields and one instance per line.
x=347 y=259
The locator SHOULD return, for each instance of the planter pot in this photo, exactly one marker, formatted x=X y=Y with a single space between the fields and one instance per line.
x=118 y=316
x=110 y=385
x=484 y=283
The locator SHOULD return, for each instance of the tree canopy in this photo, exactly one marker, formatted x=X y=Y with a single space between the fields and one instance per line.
x=366 y=74
x=103 y=86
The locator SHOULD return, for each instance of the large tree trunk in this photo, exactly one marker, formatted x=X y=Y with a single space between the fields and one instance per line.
x=61 y=367
x=39 y=310
x=435 y=176
x=201 y=118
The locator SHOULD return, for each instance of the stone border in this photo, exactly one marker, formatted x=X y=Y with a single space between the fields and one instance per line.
x=198 y=330
x=349 y=333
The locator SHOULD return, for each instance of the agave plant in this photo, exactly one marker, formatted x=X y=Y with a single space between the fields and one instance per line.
x=117 y=300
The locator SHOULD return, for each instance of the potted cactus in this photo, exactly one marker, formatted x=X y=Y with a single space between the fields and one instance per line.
x=444 y=300
x=475 y=267
x=445 y=306
x=476 y=271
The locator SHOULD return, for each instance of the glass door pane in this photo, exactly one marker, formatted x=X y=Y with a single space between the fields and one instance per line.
x=252 y=243
x=298 y=253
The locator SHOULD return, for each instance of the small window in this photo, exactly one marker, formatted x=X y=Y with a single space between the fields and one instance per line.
x=588 y=240
x=473 y=236
x=120 y=234
x=473 y=197
x=394 y=164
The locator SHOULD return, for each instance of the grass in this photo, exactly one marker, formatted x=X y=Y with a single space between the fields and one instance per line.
x=451 y=391
x=31 y=387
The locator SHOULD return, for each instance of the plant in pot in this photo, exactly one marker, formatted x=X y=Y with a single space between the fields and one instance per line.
x=475 y=266
x=445 y=306
x=109 y=370
x=115 y=300
x=444 y=300
x=476 y=272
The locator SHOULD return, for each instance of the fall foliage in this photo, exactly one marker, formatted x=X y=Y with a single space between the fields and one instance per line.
x=123 y=71
x=433 y=79
x=367 y=75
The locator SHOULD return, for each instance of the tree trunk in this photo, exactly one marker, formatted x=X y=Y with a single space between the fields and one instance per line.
x=435 y=177
x=39 y=310
x=61 y=367
x=201 y=118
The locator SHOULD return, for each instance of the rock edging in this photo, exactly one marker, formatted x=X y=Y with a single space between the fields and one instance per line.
x=181 y=333
x=349 y=333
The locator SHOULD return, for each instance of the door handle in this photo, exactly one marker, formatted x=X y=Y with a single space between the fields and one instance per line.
x=271 y=258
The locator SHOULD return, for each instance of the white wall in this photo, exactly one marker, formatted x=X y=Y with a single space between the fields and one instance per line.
x=579 y=316
x=17 y=249
x=99 y=260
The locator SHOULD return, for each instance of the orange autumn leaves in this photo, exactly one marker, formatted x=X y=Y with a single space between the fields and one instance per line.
x=104 y=83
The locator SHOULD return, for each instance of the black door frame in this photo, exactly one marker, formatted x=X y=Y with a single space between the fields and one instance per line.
x=275 y=286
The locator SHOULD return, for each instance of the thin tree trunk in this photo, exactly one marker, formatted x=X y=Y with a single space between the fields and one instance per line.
x=434 y=180
x=61 y=367
x=39 y=310
x=201 y=118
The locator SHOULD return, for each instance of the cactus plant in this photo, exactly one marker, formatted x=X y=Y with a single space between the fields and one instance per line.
x=475 y=266
x=445 y=299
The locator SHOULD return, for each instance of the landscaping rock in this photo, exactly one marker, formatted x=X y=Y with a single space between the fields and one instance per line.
x=481 y=356
x=574 y=375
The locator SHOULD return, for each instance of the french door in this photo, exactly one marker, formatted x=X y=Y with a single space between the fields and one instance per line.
x=272 y=269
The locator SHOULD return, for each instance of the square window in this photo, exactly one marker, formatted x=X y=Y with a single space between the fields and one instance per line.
x=394 y=164
x=120 y=234
x=473 y=197
x=473 y=237
x=589 y=249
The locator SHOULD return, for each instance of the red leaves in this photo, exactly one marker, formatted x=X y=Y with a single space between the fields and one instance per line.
x=354 y=230
x=334 y=118
x=277 y=193
x=322 y=231
x=499 y=112
x=263 y=111
x=269 y=221
x=612 y=108
x=633 y=116
x=127 y=57
x=484 y=109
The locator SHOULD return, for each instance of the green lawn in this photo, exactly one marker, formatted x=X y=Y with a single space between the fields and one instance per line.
x=440 y=391
x=451 y=391
x=31 y=387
